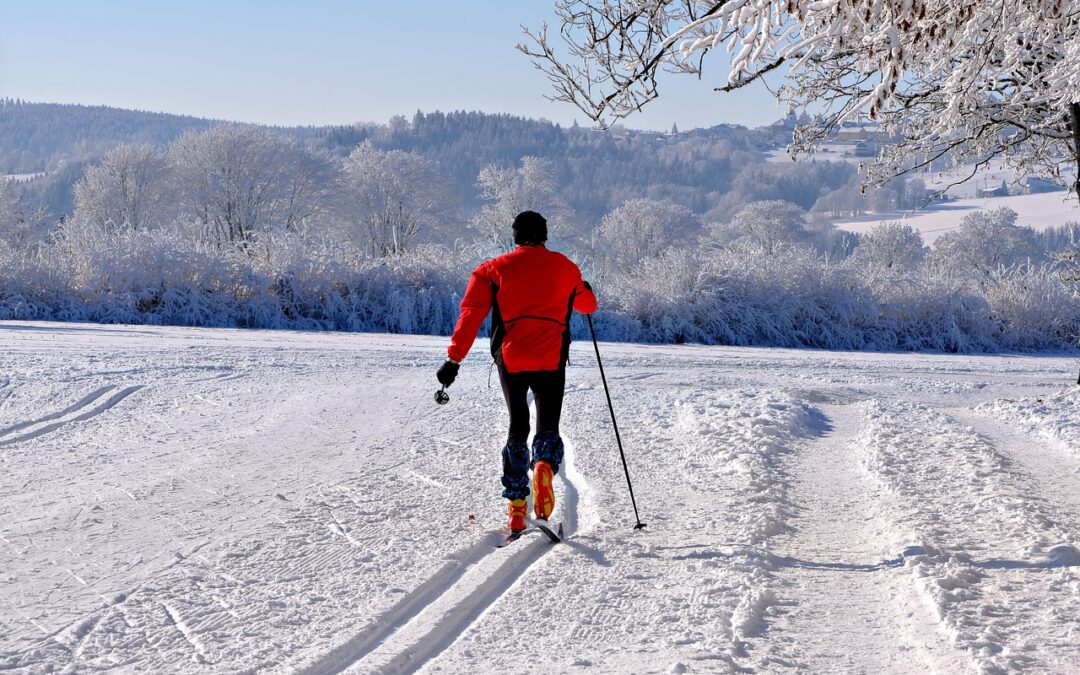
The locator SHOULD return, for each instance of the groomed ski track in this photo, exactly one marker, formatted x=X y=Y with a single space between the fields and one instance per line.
x=846 y=590
x=431 y=618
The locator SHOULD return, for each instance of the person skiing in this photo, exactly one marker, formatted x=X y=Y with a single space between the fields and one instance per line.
x=531 y=293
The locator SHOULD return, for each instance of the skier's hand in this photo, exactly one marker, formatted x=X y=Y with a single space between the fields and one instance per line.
x=588 y=286
x=448 y=373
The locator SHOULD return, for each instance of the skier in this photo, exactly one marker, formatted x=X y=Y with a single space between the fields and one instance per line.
x=531 y=293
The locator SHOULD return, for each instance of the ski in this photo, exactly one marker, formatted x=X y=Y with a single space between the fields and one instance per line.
x=543 y=527
x=554 y=536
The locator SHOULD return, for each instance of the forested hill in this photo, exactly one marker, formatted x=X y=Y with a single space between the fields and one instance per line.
x=595 y=171
x=689 y=237
x=35 y=137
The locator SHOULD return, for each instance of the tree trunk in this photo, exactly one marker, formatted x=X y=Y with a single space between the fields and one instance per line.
x=1074 y=113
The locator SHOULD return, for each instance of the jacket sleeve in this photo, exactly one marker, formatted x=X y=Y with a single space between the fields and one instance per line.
x=584 y=298
x=474 y=309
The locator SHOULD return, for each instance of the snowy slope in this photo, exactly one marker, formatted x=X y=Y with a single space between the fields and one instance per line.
x=179 y=500
x=1037 y=211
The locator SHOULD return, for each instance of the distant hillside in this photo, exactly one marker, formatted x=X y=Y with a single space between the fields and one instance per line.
x=596 y=170
x=36 y=136
x=710 y=171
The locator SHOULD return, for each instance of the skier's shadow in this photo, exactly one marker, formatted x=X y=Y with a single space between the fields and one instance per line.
x=788 y=561
x=793 y=562
x=590 y=552
x=1058 y=557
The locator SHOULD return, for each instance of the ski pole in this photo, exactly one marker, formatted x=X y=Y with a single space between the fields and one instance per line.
x=614 y=424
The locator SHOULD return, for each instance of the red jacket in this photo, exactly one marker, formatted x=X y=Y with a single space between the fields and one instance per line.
x=531 y=292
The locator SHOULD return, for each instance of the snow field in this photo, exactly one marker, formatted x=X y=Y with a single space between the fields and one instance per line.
x=213 y=506
x=288 y=502
x=1038 y=211
x=638 y=597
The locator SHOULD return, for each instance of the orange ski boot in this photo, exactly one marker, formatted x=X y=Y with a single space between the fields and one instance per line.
x=516 y=510
x=542 y=490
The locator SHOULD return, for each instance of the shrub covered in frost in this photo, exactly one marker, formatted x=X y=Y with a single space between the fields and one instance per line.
x=169 y=277
x=794 y=298
x=766 y=293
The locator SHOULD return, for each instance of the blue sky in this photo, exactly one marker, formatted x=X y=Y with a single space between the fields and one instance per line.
x=312 y=62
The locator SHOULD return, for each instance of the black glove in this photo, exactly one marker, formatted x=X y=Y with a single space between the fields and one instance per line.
x=447 y=373
x=588 y=286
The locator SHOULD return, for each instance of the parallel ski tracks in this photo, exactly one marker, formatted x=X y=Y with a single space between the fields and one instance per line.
x=838 y=595
x=431 y=618
x=88 y=406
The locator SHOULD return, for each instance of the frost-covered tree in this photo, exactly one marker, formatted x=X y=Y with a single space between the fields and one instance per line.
x=766 y=227
x=644 y=228
x=21 y=224
x=1055 y=239
x=967 y=79
x=131 y=188
x=890 y=246
x=1069 y=265
x=529 y=187
x=985 y=242
x=237 y=181
x=801 y=184
x=394 y=195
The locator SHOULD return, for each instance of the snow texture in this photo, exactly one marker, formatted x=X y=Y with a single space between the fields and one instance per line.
x=1054 y=416
x=196 y=500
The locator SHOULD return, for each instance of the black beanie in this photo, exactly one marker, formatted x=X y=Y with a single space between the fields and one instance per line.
x=529 y=228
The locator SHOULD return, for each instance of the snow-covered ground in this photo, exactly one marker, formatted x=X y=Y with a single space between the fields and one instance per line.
x=960 y=184
x=184 y=500
x=837 y=151
x=1037 y=211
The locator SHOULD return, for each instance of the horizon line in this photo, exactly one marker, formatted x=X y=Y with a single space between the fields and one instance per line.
x=616 y=125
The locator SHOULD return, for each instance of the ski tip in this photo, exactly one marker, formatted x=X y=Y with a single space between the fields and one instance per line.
x=548 y=532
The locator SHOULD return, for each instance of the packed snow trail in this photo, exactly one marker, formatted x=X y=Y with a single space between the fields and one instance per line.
x=39 y=428
x=1050 y=467
x=978 y=532
x=845 y=582
x=430 y=618
x=281 y=502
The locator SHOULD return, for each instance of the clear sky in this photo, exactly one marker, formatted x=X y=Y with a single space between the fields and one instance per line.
x=311 y=62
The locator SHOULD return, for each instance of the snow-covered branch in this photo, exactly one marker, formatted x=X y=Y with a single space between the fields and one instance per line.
x=928 y=72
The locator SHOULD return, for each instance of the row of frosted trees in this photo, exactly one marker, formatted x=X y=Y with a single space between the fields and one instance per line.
x=237 y=226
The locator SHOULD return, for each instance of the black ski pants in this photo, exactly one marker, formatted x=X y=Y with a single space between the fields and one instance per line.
x=547 y=388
